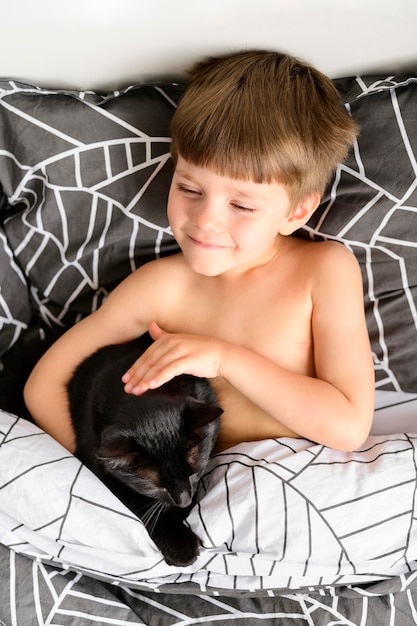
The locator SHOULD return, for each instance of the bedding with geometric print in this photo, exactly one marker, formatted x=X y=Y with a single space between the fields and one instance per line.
x=284 y=524
x=270 y=515
x=371 y=207
x=84 y=180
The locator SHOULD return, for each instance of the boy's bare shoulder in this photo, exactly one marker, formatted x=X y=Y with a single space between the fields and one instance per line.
x=327 y=266
x=161 y=277
x=164 y=268
x=336 y=256
x=325 y=252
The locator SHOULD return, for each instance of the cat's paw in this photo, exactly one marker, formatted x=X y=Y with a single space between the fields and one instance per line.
x=182 y=550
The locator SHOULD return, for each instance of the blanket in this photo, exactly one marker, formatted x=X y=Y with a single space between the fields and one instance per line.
x=274 y=514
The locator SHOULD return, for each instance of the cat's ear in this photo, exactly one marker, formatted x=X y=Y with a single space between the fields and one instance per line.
x=201 y=414
x=114 y=447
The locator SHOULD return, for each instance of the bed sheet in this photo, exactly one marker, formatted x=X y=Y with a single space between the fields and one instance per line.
x=277 y=514
x=394 y=412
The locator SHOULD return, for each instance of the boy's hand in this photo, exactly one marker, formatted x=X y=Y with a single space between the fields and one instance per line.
x=171 y=355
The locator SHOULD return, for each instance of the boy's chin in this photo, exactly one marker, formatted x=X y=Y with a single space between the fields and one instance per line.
x=206 y=264
x=208 y=269
x=214 y=271
x=209 y=272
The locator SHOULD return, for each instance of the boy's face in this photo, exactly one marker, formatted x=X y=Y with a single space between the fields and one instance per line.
x=223 y=224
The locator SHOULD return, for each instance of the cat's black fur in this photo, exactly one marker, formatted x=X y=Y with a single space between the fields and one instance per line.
x=150 y=450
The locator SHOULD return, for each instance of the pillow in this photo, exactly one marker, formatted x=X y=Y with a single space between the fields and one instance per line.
x=87 y=178
x=263 y=517
x=15 y=310
x=371 y=206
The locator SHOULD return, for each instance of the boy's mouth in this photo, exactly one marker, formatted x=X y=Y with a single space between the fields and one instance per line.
x=206 y=245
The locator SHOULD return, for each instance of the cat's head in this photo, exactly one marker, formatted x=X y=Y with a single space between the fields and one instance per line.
x=164 y=455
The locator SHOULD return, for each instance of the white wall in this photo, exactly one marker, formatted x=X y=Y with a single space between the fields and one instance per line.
x=109 y=43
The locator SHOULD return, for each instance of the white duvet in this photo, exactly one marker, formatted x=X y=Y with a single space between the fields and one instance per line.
x=276 y=514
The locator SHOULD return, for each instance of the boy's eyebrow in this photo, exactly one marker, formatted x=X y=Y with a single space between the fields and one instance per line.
x=249 y=195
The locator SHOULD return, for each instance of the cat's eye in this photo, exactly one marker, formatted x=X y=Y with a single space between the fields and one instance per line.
x=193 y=454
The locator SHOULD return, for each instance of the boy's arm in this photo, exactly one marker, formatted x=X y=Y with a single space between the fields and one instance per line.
x=118 y=320
x=334 y=408
x=45 y=391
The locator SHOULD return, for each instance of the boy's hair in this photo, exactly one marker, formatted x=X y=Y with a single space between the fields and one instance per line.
x=263 y=116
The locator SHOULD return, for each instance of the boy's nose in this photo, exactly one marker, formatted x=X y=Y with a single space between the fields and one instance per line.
x=209 y=215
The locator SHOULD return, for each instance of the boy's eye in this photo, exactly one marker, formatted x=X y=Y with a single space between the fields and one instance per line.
x=195 y=193
x=188 y=190
x=244 y=209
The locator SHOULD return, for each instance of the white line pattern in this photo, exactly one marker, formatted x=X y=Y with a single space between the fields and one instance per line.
x=373 y=202
x=86 y=195
x=84 y=204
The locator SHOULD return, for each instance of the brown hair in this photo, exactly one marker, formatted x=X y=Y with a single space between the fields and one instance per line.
x=263 y=116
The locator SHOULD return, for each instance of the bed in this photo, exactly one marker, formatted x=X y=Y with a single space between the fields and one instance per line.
x=290 y=530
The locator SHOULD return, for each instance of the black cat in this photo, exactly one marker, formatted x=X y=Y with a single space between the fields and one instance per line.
x=150 y=450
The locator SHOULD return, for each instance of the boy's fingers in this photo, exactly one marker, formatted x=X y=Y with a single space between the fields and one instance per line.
x=155 y=331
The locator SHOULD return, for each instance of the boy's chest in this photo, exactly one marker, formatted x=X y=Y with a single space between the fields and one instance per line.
x=273 y=322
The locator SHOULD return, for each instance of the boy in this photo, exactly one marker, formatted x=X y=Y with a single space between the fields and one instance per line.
x=276 y=322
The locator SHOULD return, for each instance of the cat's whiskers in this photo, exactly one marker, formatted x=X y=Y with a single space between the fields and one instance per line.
x=151 y=516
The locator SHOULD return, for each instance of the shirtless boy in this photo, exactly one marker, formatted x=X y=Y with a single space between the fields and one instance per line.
x=276 y=322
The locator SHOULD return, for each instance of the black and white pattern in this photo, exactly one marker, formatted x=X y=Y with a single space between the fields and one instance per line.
x=276 y=514
x=298 y=527
x=34 y=594
x=85 y=180
x=83 y=186
x=15 y=309
x=371 y=207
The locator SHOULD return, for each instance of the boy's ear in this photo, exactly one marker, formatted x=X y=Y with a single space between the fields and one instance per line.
x=300 y=214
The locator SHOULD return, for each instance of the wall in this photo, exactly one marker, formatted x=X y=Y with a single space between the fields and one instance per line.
x=110 y=43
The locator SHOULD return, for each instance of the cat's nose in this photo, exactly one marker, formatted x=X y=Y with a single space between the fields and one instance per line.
x=183 y=499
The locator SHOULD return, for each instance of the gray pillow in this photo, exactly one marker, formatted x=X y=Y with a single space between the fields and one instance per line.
x=86 y=179
x=371 y=206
